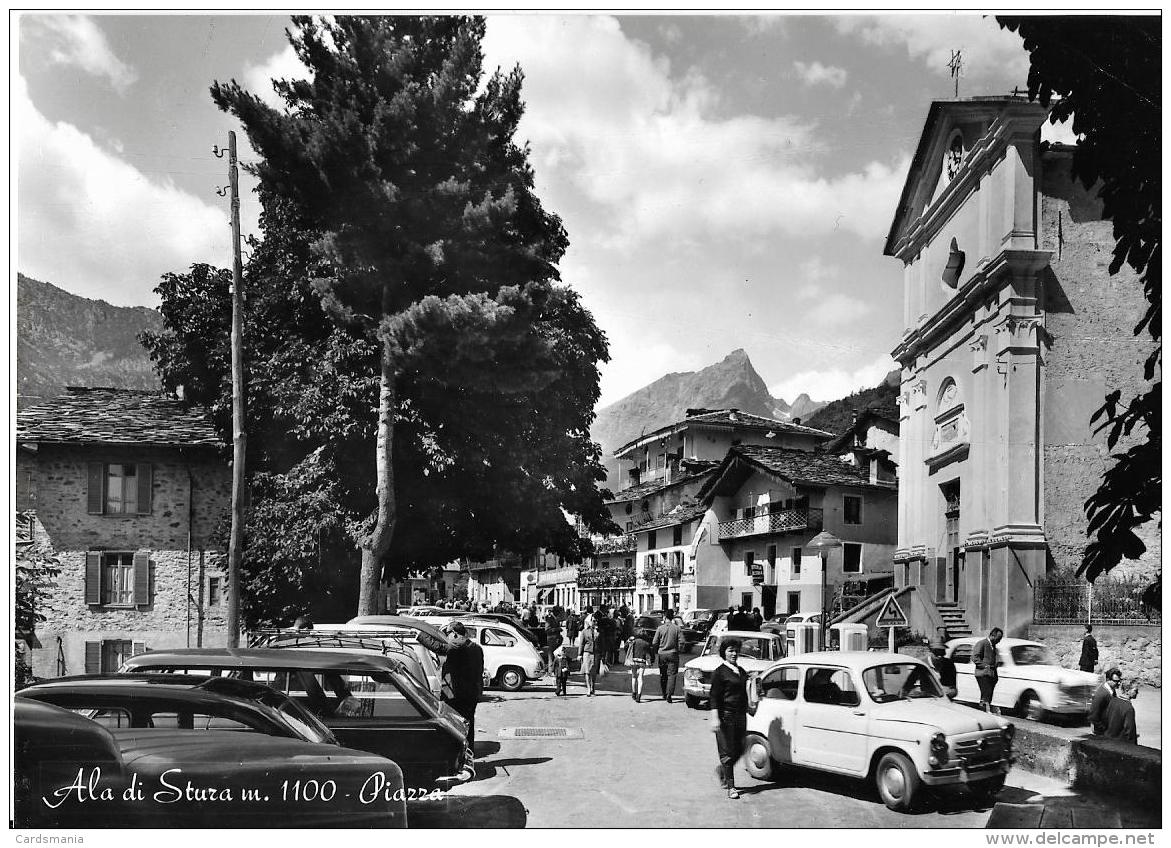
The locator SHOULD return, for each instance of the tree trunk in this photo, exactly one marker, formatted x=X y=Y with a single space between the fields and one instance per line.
x=378 y=543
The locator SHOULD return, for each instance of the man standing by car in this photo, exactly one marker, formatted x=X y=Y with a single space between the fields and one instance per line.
x=666 y=644
x=1089 y=657
x=945 y=668
x=985 y=659
x=463 y=677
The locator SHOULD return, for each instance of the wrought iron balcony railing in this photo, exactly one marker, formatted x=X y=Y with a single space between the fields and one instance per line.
x=785 y=521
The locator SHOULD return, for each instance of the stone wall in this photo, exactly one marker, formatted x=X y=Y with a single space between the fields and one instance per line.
x=1090 y=317
x=190 y=497
x=1136 y=650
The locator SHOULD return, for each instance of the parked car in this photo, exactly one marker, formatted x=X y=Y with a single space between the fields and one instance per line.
x=400 y=639
x=720 y=625
x=758 y=651
x=159 y=764
x=369 y=702
x=1031 y=681
x=181 y=702
x=504 y=618
x=803 y=618
x=647 y=623
x=509 y=658
x=775 y=624
x=696 y=624
x=876 y=716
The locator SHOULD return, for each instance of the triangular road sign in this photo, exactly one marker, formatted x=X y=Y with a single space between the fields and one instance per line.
x=891 y=614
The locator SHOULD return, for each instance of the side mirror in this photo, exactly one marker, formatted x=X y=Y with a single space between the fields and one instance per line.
x=754 y=694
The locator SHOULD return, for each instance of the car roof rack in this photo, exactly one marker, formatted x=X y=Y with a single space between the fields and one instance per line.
x=385 y=642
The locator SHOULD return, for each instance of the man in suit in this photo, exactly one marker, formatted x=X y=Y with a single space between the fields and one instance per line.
x=463 y=677
x=1089 y=657
x=1120 y=715
x=1100 y=703
x=986 y=660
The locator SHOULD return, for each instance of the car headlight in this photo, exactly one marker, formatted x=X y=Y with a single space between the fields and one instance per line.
x=938 y=750
x=692 y=674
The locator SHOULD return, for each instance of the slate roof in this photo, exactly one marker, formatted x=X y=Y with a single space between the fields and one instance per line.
x=726 y=419
x=805 y=468
x=860 y=425
x=682 y=514
x=89 y=416
x=643 y=490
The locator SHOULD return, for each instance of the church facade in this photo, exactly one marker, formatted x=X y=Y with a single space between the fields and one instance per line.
x=1014 y=333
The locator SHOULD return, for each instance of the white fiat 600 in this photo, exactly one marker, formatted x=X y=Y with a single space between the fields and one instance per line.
x=874 y=716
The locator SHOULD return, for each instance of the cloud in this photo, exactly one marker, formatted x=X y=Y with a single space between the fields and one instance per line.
x=988 y=50
x=96 y=225
x=833 y=383
x=837 y=309
x=815 y=73
x=764 y=23
x=283 y=65
x=643 y=147
x=76 y=41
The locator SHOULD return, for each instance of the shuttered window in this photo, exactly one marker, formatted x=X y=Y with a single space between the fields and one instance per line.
x=118 y=578
x=119 y=488
x=108 y=655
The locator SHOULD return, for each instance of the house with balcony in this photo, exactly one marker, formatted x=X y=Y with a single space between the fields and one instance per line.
x=765 y=504
x=665 y=553
x=705 y=435
x=127 y=490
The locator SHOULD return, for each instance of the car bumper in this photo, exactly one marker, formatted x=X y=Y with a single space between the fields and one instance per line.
x=467 y=772
x=696 y=689
x=961 y=775
x=538 y=673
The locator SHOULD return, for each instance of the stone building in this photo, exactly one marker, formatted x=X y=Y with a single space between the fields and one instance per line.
x=128 y=489
x=1014 y=333
x=763 y=507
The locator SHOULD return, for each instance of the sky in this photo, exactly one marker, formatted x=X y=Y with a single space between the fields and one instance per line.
x=726 y=181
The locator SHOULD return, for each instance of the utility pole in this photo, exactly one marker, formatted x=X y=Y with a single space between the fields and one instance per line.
x=236 y=540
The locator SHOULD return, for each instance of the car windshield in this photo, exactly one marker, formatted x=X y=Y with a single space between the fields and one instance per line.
x=697 y=615
x=1031 y=655
x=304 y=723
x=756 y=649
x=900 y=682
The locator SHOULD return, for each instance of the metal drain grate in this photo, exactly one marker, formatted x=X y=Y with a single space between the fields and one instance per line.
x=541 y=733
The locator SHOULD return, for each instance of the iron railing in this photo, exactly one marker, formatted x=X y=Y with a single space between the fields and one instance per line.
x=785 y=521
x=1073 y=600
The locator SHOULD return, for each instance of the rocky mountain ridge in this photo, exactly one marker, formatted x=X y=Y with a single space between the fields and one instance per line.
x=66 y=340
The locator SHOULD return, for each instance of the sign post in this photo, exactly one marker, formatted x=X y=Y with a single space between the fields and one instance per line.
x=891 y=616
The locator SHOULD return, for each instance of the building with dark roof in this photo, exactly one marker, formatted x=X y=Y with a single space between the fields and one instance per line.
x=128 y=489
x=706 y=434
x=765 y=504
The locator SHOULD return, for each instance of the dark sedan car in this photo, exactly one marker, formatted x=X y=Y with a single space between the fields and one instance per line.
x=72 y=772
x=647 y=623
x=696 y=624
x=181 y=702
x=369 y=702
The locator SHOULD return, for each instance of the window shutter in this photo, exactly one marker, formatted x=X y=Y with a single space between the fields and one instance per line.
x=95 y=496
x=93 y=577
x=137 y=648
x=144 y=488
x=93 y=657
x=142 y=578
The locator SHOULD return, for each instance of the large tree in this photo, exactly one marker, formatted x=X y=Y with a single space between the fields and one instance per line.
x=1105 y=73
x=416 y=376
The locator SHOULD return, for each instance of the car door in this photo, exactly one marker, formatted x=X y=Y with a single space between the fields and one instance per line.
x=966 y=688
x=777 y=710
x=380 y=715
x=831 y=726
x=1009 y=683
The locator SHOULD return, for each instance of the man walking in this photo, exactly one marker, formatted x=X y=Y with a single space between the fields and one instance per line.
x=1089 y=657
x=463 y=677
x=666 y=644
x=984 y=657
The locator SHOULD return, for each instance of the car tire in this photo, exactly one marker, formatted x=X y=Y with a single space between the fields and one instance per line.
x=1030 y=707
x=897 y=782
x=758 y=759
x=511 y=678
x=692 y=702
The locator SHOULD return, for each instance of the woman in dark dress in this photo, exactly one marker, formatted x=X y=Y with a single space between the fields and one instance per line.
x=728 y=700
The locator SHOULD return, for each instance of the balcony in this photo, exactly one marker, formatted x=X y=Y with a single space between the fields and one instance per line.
x=606 y=578
x=785 y=521
x=661 y=573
